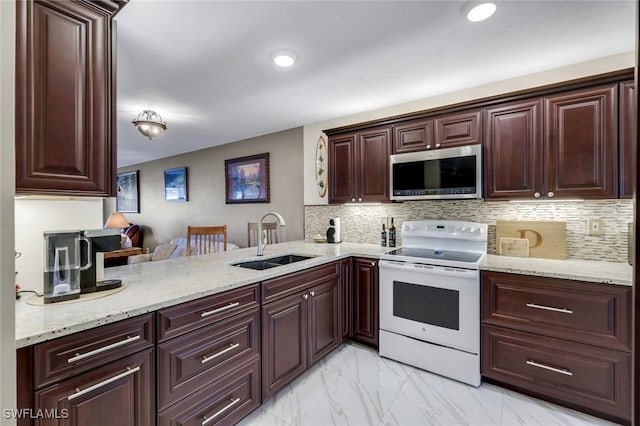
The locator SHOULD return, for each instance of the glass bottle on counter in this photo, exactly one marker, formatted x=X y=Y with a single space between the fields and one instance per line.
x=392 y=234
x=383 y=237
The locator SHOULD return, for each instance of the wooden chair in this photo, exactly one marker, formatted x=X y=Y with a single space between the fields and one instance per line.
x=206 y=239
x=271 y=229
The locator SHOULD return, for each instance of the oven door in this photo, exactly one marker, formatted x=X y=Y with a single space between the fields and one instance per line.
x=435 y=304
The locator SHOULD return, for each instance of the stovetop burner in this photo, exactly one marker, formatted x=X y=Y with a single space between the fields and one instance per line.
x=435 y=254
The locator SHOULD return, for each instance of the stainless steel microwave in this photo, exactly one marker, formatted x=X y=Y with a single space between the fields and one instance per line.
x=446 y=173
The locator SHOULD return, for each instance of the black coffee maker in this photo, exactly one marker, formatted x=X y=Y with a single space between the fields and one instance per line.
x=102 y=240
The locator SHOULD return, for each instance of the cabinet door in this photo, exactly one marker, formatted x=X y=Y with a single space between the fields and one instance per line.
x=415 y=135
x=365 y=301
x=513 y=150
x=628 y=140
x=374 y=147
x=345 y=299
x=323 y=319
x=118 y=394
x=284 y=342
x=581 y=154
x=458 y=129
x=342 y=172
x=65 y=143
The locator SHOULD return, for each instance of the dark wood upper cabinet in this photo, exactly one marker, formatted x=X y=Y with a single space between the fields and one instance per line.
x=562 y=145
x=414 y=135
x=458 y=129
x=342 y=172
x=373 y=165
x=359 y=166
x=628 y=142
x=581 y=150
x=441 y=131
x=365 y=301
x=65 y=98
x=513 y=150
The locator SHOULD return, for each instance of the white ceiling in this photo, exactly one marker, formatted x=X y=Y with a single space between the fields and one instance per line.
x=205 y=66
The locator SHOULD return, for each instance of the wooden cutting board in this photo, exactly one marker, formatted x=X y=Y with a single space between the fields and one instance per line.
x=547 y=239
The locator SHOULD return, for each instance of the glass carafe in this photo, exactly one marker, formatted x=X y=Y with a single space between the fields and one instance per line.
x=62 y=265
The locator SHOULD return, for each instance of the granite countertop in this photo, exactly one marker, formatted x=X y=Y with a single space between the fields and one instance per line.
x=155 y=285
x=571 y=269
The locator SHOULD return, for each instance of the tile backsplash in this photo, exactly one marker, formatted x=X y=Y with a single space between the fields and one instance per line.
x=363 y=223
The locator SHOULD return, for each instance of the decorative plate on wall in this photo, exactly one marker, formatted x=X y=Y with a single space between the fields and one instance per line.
x=321 y=166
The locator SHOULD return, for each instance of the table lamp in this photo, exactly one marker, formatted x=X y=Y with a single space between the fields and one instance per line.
x=116 y=220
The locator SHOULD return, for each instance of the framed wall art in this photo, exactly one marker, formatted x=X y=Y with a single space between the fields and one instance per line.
x=247 y=179
x=175 y=184
x=128 y=193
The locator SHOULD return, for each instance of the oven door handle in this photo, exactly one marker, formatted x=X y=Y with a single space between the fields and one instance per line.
x=438 y=270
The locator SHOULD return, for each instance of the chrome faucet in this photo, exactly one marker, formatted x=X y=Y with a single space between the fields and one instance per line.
x=262 y=244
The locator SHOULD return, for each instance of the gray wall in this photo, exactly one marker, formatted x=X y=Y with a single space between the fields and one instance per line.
x=165 y=220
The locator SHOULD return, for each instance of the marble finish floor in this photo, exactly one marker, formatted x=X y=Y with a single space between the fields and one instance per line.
x=356 y=387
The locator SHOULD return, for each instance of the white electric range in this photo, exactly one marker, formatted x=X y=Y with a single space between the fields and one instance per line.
x=430 y=298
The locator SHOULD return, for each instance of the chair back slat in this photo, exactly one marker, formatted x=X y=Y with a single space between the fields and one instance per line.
x=269 y=228
x=206 y=239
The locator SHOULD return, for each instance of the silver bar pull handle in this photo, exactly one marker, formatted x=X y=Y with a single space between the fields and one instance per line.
x=80 y=357
x=224 y=308
x=220 y=411
x=549 y=308
x=547 y=367
x=231 y=347
x=103 y=383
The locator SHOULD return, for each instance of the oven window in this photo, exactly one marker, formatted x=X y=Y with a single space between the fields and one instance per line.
x=428 y=305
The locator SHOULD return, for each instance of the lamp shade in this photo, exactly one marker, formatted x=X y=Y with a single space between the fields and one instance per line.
x=116 y=220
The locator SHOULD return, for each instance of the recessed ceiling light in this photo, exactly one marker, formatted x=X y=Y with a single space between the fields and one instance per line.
x=284 y=58
x=481 y=12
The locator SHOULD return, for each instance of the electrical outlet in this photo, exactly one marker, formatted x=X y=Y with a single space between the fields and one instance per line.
x=596 y=227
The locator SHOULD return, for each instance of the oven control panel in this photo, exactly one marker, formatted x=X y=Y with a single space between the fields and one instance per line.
x=445 y=229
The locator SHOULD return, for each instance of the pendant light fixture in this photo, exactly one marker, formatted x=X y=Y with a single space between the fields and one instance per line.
x=150 y=124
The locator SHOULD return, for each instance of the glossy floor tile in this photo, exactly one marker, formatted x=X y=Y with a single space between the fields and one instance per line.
x=354 y=386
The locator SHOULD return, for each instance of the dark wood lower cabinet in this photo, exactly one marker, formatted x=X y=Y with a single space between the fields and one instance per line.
x=224 y=402
x=322 y=326
x=117 y=394
x=300 y=328
x=560 y=340
x=365 y=301
x=586 y=377
x=195 y=360
x=345 y=299
x=284 y=342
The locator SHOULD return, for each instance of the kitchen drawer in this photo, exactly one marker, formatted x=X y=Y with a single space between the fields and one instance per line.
x=180 y=319
x=61 y=358
x=289 y=284
x=224 y=402
x=117 y=394
x=596 y=314
x=583 y=376
x=193 y=360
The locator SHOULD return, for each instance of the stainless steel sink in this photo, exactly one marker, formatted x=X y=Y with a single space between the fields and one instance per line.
x=272 y=262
